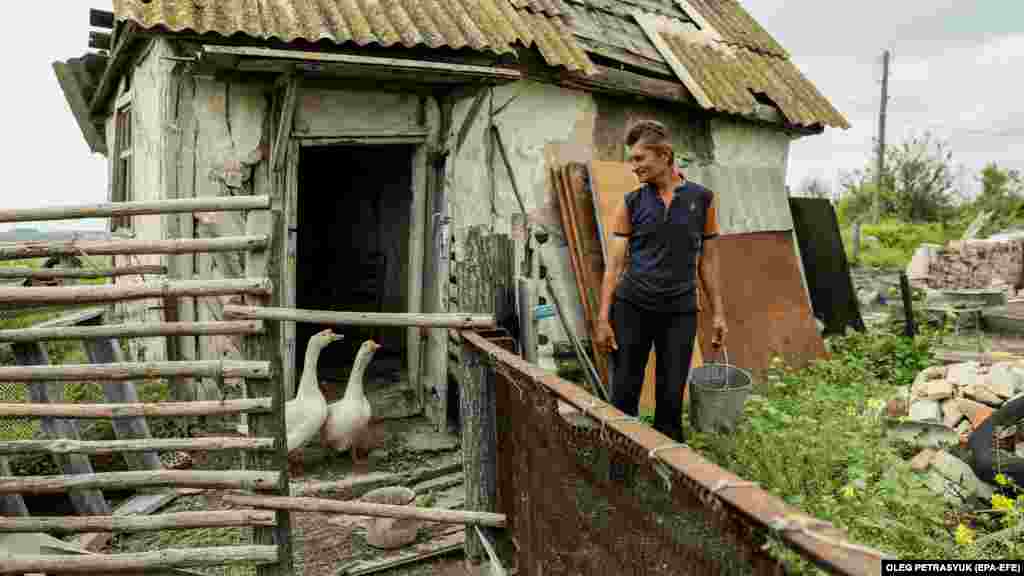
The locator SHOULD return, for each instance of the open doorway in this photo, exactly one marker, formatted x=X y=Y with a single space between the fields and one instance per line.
x=354 y=208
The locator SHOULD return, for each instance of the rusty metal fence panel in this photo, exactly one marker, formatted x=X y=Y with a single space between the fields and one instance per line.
x=673 y=513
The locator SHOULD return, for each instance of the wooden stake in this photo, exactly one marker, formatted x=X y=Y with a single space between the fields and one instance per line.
x=131 y=370
x=24 y=250
x=443 y=320
x=136 y=208
x=143 y=561
x=230 y=480
x=64 y=525
x=162 y=409
x=370 y=509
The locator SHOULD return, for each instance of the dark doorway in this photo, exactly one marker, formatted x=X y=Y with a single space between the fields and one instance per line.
x=354 y=208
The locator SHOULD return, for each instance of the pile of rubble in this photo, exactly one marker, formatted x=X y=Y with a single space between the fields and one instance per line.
x=942 y=408
x=969 y=264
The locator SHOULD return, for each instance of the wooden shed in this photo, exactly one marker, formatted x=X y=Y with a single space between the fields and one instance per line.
x=370 y=126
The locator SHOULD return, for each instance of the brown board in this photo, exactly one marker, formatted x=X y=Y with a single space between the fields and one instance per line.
x=609 y=183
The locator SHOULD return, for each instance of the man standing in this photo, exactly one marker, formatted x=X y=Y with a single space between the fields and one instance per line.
x=663 y=231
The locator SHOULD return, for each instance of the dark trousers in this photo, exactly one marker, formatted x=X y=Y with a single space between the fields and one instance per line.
x=672 y=335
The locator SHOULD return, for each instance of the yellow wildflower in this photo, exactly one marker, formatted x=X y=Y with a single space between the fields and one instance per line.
x=1000 y=502
x=964 y=535
x=1001 y=479
x=849 y=491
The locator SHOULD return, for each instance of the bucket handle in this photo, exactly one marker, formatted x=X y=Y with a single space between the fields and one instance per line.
x=725 y=354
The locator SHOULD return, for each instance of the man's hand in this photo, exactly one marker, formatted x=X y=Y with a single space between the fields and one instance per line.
x=606 y=336
x=719 y=331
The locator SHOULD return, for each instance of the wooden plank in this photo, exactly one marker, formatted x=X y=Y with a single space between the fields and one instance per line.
x=93 y=447
x=162 y=409
x=133 y=370
x=328 y=317
x=132 y=330
x=136 y=208
x=477 y=404
x=446 y=544
x=74 y=93
x=284 y=127
x=354 y=487
x=143 y=561
x=371 y=509
x=64 y=525
x=60 y=273
x=84 y=500
x=139 y=504
x=25 y=250
x=72 y=319
x=119 y=293
x=228 y=480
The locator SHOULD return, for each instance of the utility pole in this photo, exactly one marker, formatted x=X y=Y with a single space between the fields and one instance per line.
x=881 y=135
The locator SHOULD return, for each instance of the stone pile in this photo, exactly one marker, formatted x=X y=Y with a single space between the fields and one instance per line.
x=975 y=264
x=939 y=412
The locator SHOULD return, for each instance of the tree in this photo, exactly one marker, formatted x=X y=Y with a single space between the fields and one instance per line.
x=917 y=185
x=812 y=187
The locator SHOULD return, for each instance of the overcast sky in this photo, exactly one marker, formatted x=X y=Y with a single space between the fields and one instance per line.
x=956 y=69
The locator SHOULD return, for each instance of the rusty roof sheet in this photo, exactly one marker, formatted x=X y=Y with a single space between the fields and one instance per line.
x=727 y=77
x=484 y=25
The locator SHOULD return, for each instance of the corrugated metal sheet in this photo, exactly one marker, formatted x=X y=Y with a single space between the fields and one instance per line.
x=485 y=25
x=725 y=77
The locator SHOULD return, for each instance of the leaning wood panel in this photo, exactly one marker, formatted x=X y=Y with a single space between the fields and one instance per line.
x=136 y=208
x=443 y=320
x=66 y=446
x=64 y=525
x=20 y=250
x=59 y=273
x=143 y=561
x=162 y=409
x=130 y=370
x=133 y=330
x=370 y=509
x=118 y=293
x=228 y=480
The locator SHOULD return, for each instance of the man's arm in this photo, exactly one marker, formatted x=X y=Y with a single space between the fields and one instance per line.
x=616 y=262
x=709 y=273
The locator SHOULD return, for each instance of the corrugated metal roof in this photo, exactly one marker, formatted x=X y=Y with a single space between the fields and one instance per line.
x=725 y=77
x=485 y=25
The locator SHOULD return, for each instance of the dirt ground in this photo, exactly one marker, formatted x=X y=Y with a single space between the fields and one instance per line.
x=324 y=544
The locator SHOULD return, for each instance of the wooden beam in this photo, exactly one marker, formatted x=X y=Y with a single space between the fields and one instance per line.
x=99 y=40
x=64 y=525
x=101 y=19
x=442 y=515
x=328 y=317
x=75 y=96
x=86 y=294
x=23 y=250
x=65 y=446
x=369 y=62
x=133 y=330
x=120 y=56
x=131 y=370
x=136 y=208
x=228 y=480
x=158 y=410
x=59 y=273
x=143 y=561
x=284 y=127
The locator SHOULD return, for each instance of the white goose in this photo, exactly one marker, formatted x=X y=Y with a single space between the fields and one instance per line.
x=348 y=420
x=305 y=414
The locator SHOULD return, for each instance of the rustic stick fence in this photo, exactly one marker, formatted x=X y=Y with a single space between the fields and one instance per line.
x=270 y=549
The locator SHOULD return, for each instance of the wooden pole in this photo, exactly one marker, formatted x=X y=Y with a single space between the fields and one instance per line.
x=22 y=250
x=136 y=208
x=133 y=330
x=85 y=500
x=162 y=409
x=67 y=446
x=229 y=480
x=59 y=273
x=371 y=509
x=527 y=324
x=140 y=562
x=443 y=320
x=909 y=326
x=64 y=525
x=119 y=293
x=133 y=370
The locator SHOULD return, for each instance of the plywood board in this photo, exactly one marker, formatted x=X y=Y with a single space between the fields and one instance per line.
x=609 y=183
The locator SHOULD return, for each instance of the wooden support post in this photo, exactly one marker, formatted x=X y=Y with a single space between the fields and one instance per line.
x=527 y=292
x=107 y=351
x=909 y=327
x=479 y=442
x=85 y=501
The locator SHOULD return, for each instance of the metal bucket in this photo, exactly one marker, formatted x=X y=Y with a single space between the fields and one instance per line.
x=718 y=394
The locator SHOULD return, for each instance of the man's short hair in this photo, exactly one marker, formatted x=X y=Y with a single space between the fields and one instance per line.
x=650 y=133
